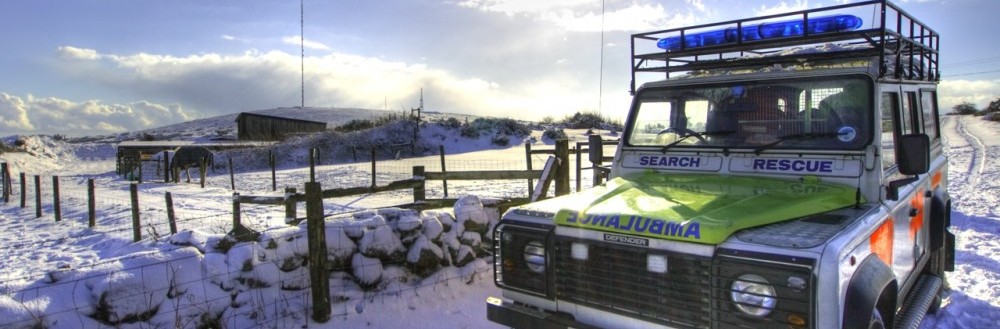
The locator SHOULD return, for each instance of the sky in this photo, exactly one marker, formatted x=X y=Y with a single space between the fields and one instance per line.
x=90 y=67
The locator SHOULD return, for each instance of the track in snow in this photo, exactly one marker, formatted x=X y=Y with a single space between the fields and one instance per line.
x=977 y=160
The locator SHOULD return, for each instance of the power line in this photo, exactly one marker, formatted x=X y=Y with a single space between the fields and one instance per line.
x=973 y=62
x=973 y=73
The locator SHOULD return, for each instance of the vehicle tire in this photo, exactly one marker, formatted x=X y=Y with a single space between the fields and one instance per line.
x=876 y=321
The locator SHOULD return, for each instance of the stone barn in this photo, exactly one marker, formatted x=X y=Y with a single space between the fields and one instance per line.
x=258 y=127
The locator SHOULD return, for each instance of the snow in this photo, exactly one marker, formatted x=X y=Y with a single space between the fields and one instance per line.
x=68 y=275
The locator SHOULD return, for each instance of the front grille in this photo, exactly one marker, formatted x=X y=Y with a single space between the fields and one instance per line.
x=616 y=278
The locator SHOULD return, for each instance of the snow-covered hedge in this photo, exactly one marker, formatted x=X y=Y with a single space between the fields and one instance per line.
x=199 y=280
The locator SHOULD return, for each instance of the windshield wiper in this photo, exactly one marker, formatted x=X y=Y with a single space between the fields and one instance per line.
x=800 y=136
x=699 y=135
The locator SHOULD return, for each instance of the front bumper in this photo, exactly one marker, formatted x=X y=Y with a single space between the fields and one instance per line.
x=519 y=316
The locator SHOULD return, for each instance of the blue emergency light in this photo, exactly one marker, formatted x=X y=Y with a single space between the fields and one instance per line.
x=763 y=31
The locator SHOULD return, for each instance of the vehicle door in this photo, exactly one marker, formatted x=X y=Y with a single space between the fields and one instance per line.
x=901 y=114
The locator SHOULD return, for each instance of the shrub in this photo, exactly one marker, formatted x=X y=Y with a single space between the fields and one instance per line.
x=502 y=126
x=469 y=131
x=554 y=133
x=364 y=124
x=500 y=140
x=590 y=120
x=965 y=108
x=451 y=123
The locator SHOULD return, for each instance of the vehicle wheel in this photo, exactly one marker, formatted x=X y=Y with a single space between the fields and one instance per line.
x=876 y=321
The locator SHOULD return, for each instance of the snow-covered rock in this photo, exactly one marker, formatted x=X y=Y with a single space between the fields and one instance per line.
x=424 y=256
x=339 y=248
x=382 y=243
x=470 y=215
x=367 y=270
x=432 y=227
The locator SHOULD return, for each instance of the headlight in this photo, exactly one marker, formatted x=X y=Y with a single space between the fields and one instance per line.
x=534 y=256
x=520 y=258
x=753 y=295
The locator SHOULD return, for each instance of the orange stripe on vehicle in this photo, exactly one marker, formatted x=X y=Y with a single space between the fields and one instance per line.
x=936 y=179
x=881 y=242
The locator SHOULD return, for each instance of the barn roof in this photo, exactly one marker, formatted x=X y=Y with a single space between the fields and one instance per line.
x=159 y=146
x=244 y=114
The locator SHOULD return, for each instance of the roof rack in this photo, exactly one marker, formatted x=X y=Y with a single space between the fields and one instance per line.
x=906 y=49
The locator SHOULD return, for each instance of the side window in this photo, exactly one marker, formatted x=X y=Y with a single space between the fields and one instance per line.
x=928 y=100
x=906 y=123
x=889 y=105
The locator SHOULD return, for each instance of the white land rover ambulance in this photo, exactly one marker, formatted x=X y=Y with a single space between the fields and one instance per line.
x=784 y=172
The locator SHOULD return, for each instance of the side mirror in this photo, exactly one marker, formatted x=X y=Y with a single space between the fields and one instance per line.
x=913 y=157
x=596 y=147
x=913 y=154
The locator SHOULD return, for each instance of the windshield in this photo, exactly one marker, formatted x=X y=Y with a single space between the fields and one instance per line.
x=801 y=114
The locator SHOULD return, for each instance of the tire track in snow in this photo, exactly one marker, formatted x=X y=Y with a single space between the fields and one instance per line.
x=977 y=160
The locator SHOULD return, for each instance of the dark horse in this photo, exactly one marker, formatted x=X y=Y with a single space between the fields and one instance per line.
x=187 y=156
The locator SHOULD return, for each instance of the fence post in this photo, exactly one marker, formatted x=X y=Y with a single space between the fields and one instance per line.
x=274 y=179
x=419 y=191
x=373 y=166
x=578 y=170
x=312 y=165
x=232 y=179
x=171 y=219
x=444 y=181
x=24 y=190
x=133 y=190
x=56 y=205
x=596 y=157
x=562 y=175
x=91 y=204
x=201 y=171
x=38 y=196
x=6 y=181
x=237 y=218
x=527 y=157
x=319 y=274
x=291 y=207
x=166 y=166
x=139 y=165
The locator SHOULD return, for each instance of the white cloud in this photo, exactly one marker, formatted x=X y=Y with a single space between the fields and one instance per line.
x=78 y=53
x=585 y=15
x=979 y=92
x=781 y=8
x=14 y=113
x=29 y=114
x=297 y=40
x=213 y=84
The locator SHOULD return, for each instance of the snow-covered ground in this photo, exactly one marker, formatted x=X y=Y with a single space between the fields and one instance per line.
x=55 y=273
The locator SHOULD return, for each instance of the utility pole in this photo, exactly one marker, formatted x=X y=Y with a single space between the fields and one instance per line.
x=416 y=129
x=302 y=49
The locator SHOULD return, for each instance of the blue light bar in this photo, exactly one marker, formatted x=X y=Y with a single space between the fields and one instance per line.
x=762 y=31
